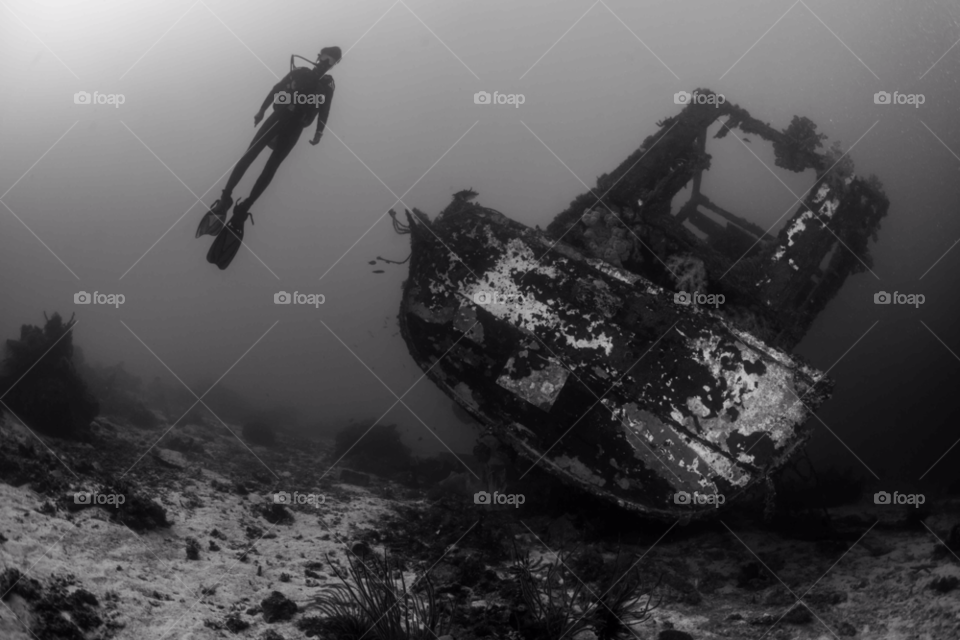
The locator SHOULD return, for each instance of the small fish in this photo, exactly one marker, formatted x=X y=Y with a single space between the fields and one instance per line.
x=747 y=140
x=372 y=262
x=378 y=270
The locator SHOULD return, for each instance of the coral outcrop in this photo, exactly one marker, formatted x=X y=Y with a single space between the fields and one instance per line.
x=40 y=384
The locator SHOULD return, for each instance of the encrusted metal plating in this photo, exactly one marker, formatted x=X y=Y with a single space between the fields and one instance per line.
x=594 y=372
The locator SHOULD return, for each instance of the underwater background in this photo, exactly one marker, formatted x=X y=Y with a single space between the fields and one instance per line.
x=104 y=197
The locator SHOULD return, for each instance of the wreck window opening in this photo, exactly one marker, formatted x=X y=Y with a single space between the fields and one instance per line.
x=695 y=231
x=681 y=198
x=739 y=186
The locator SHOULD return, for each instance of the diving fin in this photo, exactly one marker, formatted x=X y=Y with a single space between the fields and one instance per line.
x=212 y=221
x=228 y=242
x=210 y=224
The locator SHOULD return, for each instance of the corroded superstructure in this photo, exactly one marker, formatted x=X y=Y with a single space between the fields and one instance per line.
x=773 y=285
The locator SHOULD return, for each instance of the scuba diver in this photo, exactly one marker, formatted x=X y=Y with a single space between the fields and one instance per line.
x=302 y=95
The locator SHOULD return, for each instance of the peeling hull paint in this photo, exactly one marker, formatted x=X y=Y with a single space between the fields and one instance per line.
x=593 y=372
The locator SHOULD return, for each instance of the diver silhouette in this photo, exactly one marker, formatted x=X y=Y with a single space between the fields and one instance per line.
x=303 y=95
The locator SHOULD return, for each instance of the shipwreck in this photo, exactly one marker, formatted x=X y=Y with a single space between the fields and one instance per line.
x=588 y=347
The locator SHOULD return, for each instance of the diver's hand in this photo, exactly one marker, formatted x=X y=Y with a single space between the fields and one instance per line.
x=316 y=139
x=257 y=118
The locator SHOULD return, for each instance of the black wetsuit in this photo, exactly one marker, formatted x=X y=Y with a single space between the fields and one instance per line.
x=282 y=129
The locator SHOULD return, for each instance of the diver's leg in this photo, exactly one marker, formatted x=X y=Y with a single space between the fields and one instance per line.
x=256 y=146
x=212 y=222
x=285 y=143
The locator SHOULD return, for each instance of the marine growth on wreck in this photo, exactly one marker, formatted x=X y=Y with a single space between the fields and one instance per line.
x=579 y=346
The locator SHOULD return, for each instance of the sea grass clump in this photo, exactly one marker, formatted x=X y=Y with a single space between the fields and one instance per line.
x=373 y=600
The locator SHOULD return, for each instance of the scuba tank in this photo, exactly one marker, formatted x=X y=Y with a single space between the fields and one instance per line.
x=290 y=107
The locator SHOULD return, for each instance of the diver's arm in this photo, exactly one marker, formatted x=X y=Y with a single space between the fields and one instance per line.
x=324 y=111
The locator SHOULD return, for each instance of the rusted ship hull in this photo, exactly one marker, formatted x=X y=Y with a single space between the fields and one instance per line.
x=593 y=372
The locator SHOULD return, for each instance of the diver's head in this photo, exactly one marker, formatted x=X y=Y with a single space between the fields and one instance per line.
x=327 y=58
